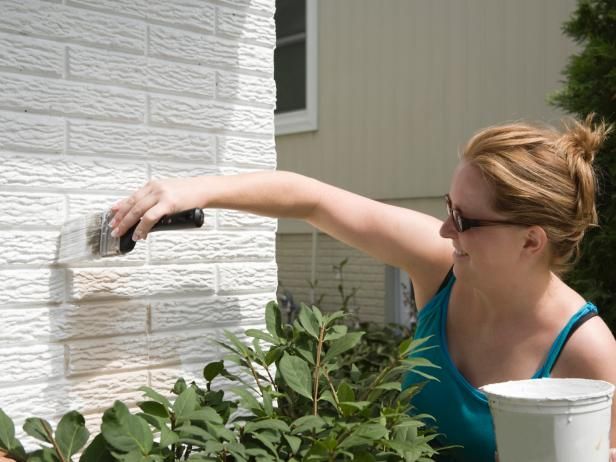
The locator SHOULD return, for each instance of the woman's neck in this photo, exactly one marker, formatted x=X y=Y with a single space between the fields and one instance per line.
x=517 y=297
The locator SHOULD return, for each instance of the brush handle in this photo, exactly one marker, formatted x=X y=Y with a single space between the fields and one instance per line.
x=187 y=219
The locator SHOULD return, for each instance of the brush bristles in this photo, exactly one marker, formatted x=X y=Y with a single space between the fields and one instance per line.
x=80 y=239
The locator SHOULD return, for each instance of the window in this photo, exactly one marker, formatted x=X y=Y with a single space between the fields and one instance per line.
x=295 y=66
x=400 y=305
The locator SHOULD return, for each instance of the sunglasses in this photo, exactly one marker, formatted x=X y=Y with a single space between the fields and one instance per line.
x=463 y=224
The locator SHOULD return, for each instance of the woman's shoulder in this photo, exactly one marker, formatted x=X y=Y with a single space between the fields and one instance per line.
x=589 y=353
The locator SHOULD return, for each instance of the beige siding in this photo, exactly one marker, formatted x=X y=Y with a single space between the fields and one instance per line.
x=364 y=273
x=403 y=83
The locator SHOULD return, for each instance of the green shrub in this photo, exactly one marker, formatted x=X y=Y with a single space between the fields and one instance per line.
x=290 y=402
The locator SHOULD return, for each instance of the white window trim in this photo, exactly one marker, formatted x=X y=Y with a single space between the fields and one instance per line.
x=305 y=120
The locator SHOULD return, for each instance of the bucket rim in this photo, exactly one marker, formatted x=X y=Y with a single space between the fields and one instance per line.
x=553 y=390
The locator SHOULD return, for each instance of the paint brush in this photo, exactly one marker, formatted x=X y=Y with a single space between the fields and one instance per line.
x=89 y=237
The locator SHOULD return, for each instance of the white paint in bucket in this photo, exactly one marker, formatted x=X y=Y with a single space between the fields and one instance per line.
x=551 y=420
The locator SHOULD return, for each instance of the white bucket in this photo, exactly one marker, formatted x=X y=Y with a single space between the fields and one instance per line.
x=551 y=420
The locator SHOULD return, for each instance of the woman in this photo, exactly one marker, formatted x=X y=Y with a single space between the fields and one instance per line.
x=519 y=204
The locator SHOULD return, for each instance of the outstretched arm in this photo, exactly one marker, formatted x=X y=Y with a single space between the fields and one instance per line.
x=394 y=235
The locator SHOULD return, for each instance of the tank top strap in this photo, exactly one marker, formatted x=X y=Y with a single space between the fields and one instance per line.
x=585 y=313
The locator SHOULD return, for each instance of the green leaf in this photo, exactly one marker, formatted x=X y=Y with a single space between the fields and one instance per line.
x=343 y=344
x=345 y=392
x=308 y=423
x=273 y=355
x=349 y=407
x=317 y=315
x=332 y=317
x=150 y=393
x=179 y=387
x=213 y=369
x=265 y=442
x=247 y=398
x=308 y=321
x=255 y=333
x=296 y=374
x=273 y=321
x=389 y=386
x=328 y=397
x=39 y=429
x=125 y=432
x=294 y=442
x=192 y=431
x=306 y=352
x=221 y=432
x=336 y=332
x=364 y=434
x=153 y=408
x=267 y=424
x=237 y=343
x=206 y=414
x=96 y=451
x=44 y=455
x=185 y=403
x=156 y=422
x=167 y=437
x=71 y=434
x=8 y=442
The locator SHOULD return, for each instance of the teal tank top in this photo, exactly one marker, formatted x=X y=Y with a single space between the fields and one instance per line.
x=461 y=410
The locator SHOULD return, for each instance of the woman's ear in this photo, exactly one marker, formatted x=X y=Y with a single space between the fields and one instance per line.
x=535 y=240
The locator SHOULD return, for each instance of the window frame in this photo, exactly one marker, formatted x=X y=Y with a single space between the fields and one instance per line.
x=305 y=120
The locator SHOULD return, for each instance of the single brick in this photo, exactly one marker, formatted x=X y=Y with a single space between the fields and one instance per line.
x=136 y=282
x=45 y=96
x=63 y=22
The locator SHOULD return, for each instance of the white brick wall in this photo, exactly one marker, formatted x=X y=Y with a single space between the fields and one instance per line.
x=96 y=97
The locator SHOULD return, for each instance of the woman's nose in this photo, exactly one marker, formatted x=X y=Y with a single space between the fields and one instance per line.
x=448 y=230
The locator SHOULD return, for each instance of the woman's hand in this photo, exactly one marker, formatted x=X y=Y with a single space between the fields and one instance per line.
x=150 y=203
x=613 y=455
x=4 y=457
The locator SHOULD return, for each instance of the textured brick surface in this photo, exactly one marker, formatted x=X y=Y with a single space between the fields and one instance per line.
x=25 y=363
x=140 y=72
x=73 y=321
x=27 y=247
x=30 y=55
x=192 y=13
x=62 y=173
x=87 y=284
x=212 y=51
x=240 y=151
x=55 y=398
x=198 y=246
x=28 y=209
x=192 y=113
x=108 y=354
x=26 y=286
x=240 y=277
x=97 y=98
x=248 y=27
x=70 y=99
x=31 y=133
x=245 y=88
x=87 y=138
x=208 y=311
x=58 y=22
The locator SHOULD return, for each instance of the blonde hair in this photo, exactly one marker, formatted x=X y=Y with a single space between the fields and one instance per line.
x=542 y=176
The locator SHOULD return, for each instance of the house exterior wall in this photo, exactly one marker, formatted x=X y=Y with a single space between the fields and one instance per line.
x=96 y=98
x=404 y=83
x=361 y=272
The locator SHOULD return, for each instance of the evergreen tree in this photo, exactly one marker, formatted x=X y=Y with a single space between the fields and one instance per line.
x=590 y=86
